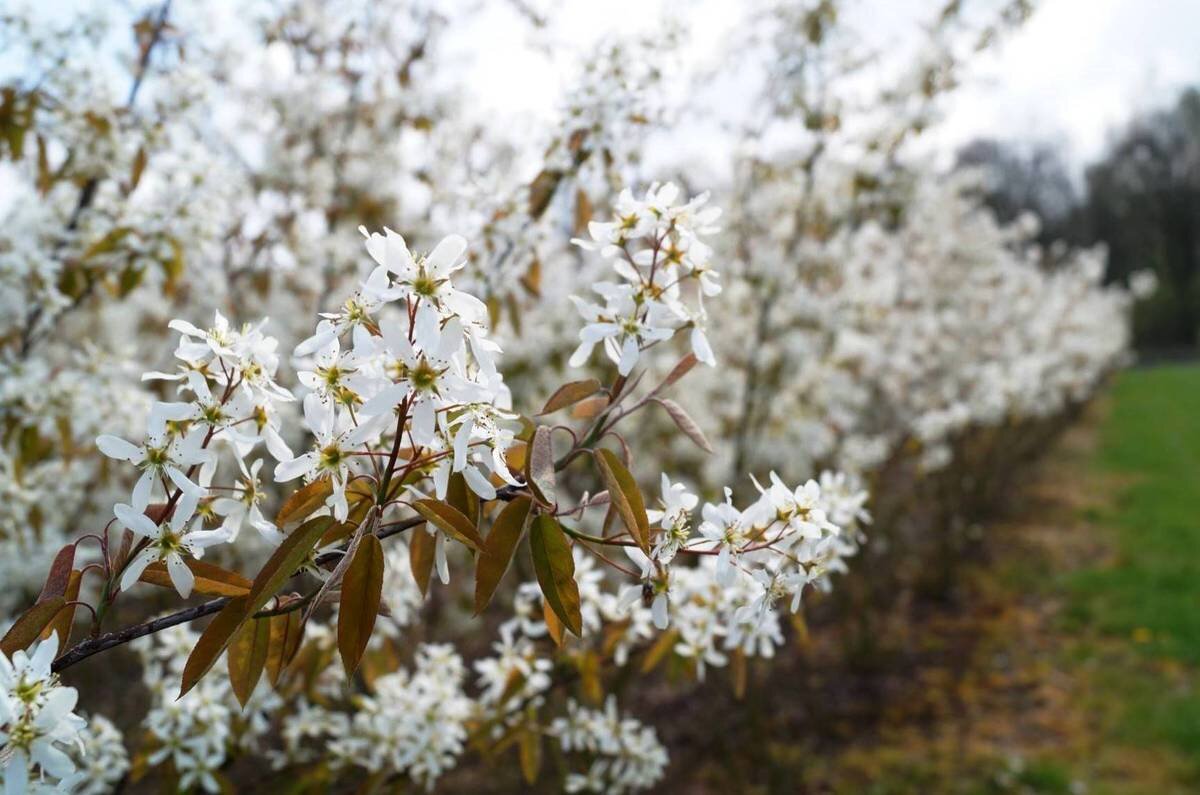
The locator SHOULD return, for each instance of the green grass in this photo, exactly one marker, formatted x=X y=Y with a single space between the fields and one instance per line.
x=1148 y=598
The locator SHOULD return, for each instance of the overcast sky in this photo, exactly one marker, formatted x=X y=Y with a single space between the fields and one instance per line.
x=1076 y=70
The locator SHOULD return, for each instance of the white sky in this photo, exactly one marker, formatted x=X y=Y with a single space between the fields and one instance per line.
x=1073 y=73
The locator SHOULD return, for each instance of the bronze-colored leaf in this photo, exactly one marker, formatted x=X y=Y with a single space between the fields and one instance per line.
x=302 y=502
x=626 y=497
x=589 y=408
x=285 y=640
x=422 y=547
x=737 y=670
x=247 y=656
x=362 y=587
x=570 y=394
x=555 y=570
x=685 y=423
x=287 y=558
x=554 y=627
x=590 y=684
x=583 y=211
x=542 y=189
x=213 y=641
x=460 y=496
x=28 y=628
x=211 y=580
x=139 y=166
x=540 y=470
x=450 y=520
x=530 y=751
x=654 y=655
x=498 y=549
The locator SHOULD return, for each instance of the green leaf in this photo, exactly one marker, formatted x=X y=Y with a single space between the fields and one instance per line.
x=302 y=502
x=362 y=587
x=626 y=497
x=451 y=521
x=498 y=549
x=247 y=655
x=570 y=394
x=555 y=570
x=283 y=563
x=29 y=626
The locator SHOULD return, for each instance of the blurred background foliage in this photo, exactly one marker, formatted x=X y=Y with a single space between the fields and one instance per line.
x=1141 y=200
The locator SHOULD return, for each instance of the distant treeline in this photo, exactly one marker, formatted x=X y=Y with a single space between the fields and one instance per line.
x=1141 y=199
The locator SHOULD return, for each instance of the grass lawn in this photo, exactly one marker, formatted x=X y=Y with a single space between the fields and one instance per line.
x=1137 y=615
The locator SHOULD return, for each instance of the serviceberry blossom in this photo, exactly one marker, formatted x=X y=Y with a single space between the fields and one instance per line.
x=171 y=540
x=410 y=723
x=100 y=756
x=656 y=247
x=418 y=363
x=165 y=456
x=37 y=724
x=627 y=756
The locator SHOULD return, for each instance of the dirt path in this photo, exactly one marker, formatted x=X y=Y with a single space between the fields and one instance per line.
x=1007 y=687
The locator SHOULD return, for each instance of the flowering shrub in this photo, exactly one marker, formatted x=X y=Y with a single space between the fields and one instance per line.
x=427 y=518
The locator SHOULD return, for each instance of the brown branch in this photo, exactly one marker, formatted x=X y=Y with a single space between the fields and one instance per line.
x=81 y=651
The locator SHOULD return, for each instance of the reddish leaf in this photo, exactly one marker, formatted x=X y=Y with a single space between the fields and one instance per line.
x=26 y=629
x=65 y=619
x=685 y=423
x=59 y=575
x=679 y=371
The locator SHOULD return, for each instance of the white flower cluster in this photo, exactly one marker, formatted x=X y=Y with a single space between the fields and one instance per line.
x=101 y=757
x=178 y=449
x=866 y=337
x=411 y=723
x=196 y=733
x=626 y=756
x=419 y=349
x=37 y=723
x=657 y=248
x=768 y=551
